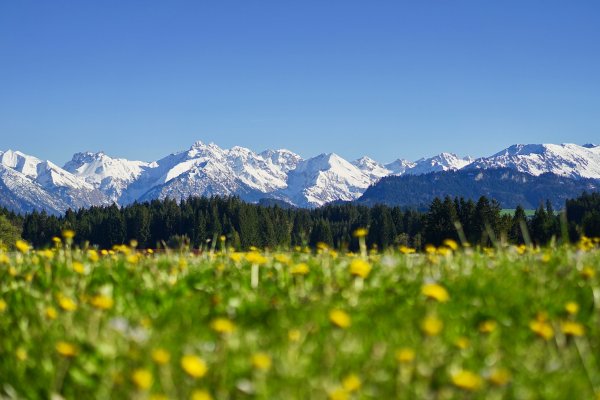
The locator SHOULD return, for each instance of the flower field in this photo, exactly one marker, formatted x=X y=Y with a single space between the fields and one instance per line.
x=513 y=322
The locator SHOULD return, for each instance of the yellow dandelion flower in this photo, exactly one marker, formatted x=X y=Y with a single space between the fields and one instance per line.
x=68 y=234
x=200 y=394
x=66 y=303
x=351 y=383
x=299 y=269
x=432 y=325
x=51 y=313
x=360 y=267
x=56 y=240
x=360 y=232
x=222 y=325
x=588 y=272
x=161 y=356
x=407 y=250
x=451 y=244
x=261 y=361
x=283 y=259
x=78 y=267
x=405 y=355
x=339 y=394
x=467 y=380
x=571 y=328
x=22 y=246
x=542 y=328
x=436 y=292
x=142 y=378
x=430 y=249
x=236 y=257
x=3 y=305
x=4 y=258
x=102 y=302
x=255 y=257
x=66 y=349
x=488 y=326
x=500 y=377
x=194 y=366
x=340 y=319
x=572 y=307
x=294 y=335
x=462 y=342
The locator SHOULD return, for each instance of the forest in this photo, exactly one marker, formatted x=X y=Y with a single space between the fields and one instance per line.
x=204 y=222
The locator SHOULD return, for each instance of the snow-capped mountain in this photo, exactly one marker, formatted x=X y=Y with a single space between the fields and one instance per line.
x=28 y=183
x=323 y=179
x=68 y=190
x=109 y=175
x=569 y=160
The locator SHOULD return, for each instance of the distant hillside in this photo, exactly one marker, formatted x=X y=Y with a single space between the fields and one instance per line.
x=507 y=186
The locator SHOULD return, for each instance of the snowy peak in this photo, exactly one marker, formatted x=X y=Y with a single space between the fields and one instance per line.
x=372 y=168
x=441 y=162
x=567 y=159
x=284 y=159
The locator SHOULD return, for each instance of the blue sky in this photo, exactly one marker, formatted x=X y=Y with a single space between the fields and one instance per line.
x=388 y=79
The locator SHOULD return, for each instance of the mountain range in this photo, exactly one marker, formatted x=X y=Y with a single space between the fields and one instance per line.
x=94 y=178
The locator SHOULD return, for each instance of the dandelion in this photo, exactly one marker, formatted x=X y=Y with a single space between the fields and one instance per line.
x=22 y=246
x=462 y=343
x=340 y=319
x=541 y=328
x=500 y=377
x=360 y=267
x=3 y=305
x=66 y=303
x=488 y=326
x=161 y=356
x=194 y=366
x=572 y=307
x=405 y=355
x=571 y=328
x=261 y=361
x=255 y=257
x=467 y=380
x=78 y=267
x=360 y=232
x=451 y=244
x=432 y=325
x=66 y=349
x=436 y=292
x=68 y=234
x=588 y=272
x=142 y=378
x=407 y=250
x=222 y=325
x=200 y=394
x=300 y=269
x=294 y=335
x=102 y=302
x=51 y=313
x=351 y=383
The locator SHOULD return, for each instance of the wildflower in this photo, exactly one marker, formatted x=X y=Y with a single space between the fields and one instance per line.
x=488 y=326
x=142 y=378
x=407 y=250
x=51 y=313
x=4 y=258
x=451 y=244
x=261 y=361
x=194 y=366
x=572 y=308
x=436 y=292
x=222 y=325
x=430 y=249
x=462 y=343
x=339 y=394
x=300 y=269
x=201 y=394
x=282 y=258
x=360 y=267
x=3 y=305
x=102 y=302
x=66 y=303
x=570 y=328
x=542 y=328
x=360 y=232
x=351 y=383
x=78 y=267
x=294 y=335
x=340 y=319
x=66 y=349
x=588 y=272
x=432 y=325
x=161 y=356
x=22 y=246
x=56 y=241
x=405 y=355
x=236 y=257
x=500 y=377
x=467 y=380
x=255 y=257
x=68 y=234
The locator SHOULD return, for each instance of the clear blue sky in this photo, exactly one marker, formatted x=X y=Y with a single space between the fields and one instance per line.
x=389 y=79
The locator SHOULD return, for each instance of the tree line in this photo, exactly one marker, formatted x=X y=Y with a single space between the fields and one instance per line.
x=199 y=222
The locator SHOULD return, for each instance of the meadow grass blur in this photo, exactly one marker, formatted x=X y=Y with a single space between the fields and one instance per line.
x=452 y=322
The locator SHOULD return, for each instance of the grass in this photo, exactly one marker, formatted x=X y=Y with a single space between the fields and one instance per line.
x=478 y=324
